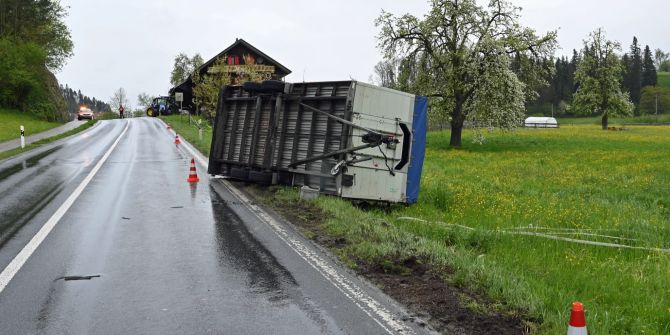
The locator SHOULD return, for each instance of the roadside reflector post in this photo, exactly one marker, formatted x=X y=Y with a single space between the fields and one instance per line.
x=23 y=137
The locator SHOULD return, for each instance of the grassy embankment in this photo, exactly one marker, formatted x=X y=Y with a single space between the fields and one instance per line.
x=10 y=120
x=190 y=131
x=577 y=182
x=34 y=145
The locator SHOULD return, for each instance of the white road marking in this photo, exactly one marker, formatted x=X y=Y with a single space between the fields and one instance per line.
x=370 y=306
x=10 y=271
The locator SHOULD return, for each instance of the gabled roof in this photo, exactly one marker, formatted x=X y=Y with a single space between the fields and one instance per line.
x=238 y=41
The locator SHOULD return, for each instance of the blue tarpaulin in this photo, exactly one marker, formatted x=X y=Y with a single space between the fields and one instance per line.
x=419 y=128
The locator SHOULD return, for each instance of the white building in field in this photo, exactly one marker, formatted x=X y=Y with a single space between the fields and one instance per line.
x=540 y=122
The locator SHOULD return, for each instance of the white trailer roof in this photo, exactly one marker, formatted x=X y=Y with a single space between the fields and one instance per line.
x=543 y=120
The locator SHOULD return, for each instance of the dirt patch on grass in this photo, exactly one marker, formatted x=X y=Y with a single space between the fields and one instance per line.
x=424 y=291
x=445 y=307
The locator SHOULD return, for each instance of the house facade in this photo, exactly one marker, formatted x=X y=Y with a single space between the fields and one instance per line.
x=241 y=59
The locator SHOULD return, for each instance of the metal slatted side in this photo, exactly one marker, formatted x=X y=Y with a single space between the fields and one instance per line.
x=235 y=148
x=228 y=126
x=247 y=133
x=298 y=133
x=310 y=133
x=263 y=132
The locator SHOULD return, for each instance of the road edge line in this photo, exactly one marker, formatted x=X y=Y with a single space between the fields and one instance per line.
x=352 y=291
x=20 y=259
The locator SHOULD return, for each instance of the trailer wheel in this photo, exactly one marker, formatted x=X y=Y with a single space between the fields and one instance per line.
x=273 y=86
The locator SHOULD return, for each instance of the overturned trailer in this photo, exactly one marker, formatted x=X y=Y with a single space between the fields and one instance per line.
x=344 y=138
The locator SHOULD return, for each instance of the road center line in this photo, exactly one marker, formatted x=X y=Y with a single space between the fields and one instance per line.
x=10 y=271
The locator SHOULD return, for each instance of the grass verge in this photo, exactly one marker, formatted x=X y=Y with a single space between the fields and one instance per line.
x=34 y=145
x=180 y=123
x=10 y=120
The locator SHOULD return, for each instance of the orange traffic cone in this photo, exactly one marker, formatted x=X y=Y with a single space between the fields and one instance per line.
x=577 y=324
x=176 y=140
x=192 y=176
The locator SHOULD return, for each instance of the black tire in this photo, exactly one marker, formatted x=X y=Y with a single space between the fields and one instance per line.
x=79 y=118
x=273 y=86
x=150 y=112
x=251 y=86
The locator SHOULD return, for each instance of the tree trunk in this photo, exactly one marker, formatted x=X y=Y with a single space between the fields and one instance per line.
x=456 y=126
x=604 y=121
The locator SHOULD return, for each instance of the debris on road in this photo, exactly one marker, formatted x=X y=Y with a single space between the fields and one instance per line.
x=68 y=278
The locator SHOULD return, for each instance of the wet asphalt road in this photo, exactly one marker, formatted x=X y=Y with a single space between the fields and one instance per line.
x=171 y=258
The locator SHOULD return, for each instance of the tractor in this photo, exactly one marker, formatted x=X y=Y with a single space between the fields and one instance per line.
x=162 y=106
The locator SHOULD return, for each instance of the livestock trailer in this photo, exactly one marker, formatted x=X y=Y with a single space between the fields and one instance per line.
x=344 y=138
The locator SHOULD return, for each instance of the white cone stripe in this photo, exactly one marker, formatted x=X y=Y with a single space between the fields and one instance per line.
x=577 y=330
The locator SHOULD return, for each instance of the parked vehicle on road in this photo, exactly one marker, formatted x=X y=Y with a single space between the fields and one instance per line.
x=85 y=113
x=162 y=106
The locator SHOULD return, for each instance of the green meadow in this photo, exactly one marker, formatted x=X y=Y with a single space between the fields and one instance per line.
x=664 y=79
x=536 y=219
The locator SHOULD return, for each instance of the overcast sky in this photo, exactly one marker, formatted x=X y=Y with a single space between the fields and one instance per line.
x=132 y=43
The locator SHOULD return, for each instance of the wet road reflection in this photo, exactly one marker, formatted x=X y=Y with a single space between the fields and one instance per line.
x=30 y=182
x=238 y=248
x=266 y=278
x=174 y=258
x=27 y=163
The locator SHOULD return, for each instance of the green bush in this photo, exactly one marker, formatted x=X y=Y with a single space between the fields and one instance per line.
x=25 y=82
x=19 y=73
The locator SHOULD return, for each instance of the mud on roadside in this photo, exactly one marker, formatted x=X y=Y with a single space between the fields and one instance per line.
x=424 y=291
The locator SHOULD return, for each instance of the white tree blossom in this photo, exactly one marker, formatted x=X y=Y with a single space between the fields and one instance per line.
x=465 y=51
x=598 y=78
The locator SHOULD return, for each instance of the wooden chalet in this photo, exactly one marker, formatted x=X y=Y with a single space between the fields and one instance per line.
x=240 y=56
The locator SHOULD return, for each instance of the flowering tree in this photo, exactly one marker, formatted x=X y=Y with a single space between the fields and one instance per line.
x=466 y=52
x=598 y=78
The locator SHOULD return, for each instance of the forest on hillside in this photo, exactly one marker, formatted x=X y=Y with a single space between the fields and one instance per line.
x=639 y=78
x=34 y=43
